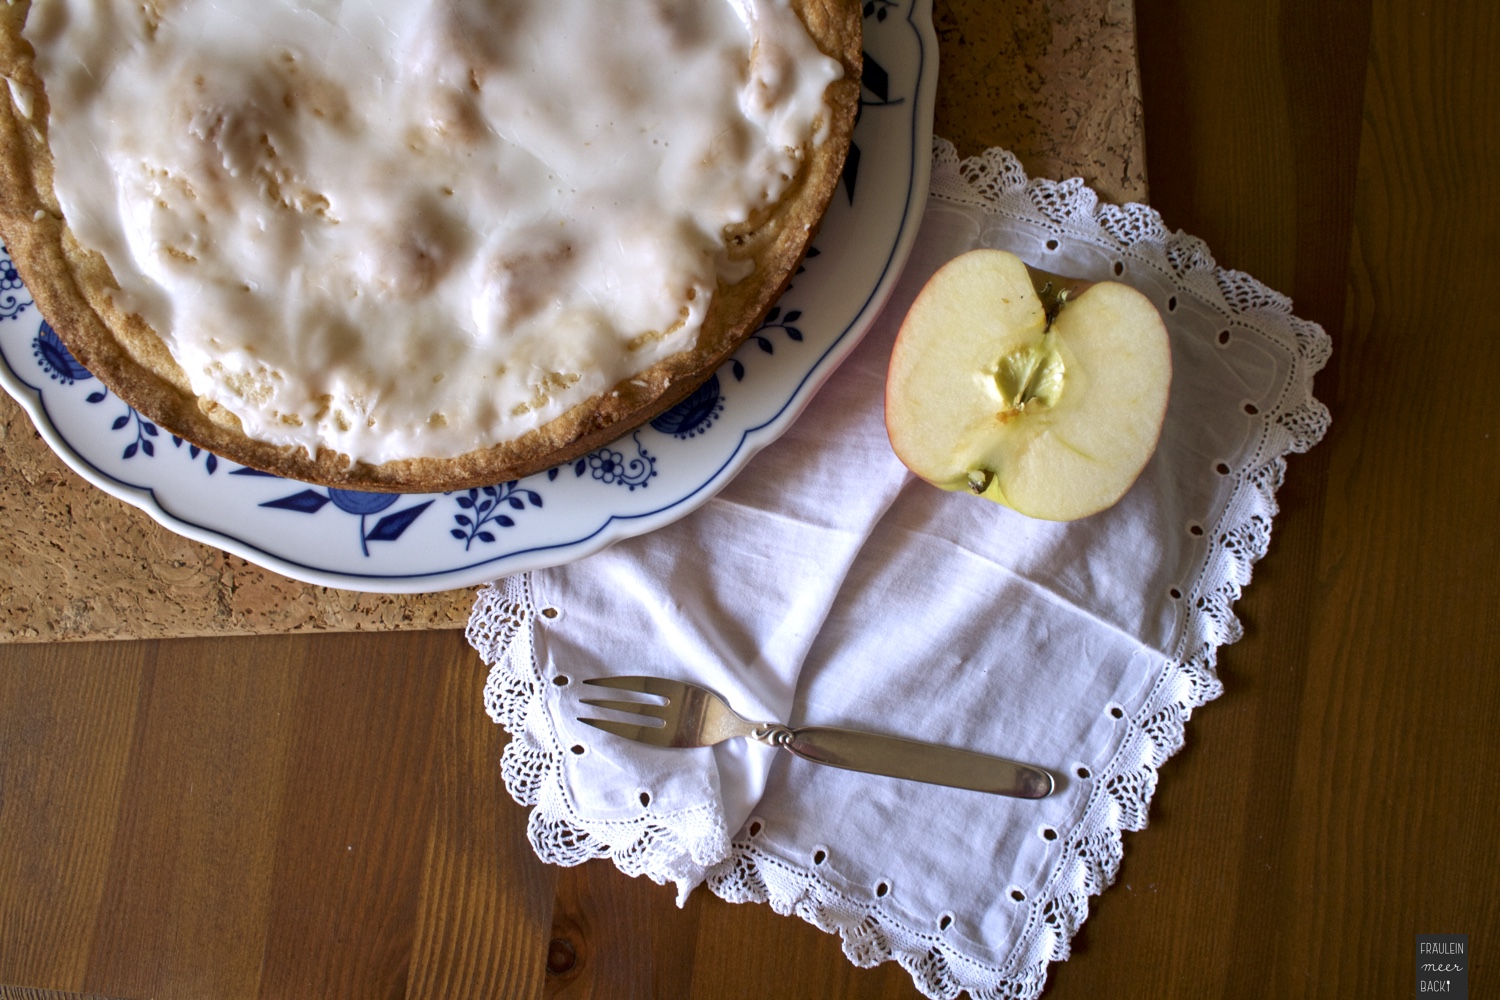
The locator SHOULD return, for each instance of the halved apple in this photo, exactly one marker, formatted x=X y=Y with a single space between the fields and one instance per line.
x=1043 y=394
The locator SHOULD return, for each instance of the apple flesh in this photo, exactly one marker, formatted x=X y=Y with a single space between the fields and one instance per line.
x=1040 y=393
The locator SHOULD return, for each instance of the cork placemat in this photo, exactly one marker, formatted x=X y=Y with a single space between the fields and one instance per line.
x=1055 y=81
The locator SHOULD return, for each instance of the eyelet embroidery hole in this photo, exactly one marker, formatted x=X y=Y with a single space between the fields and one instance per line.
x=1155 y=727
x=578 y=748
x=1052 y=244
x=561 y=680
x=1195 y=529
x=550 y=613
x=819 y=856
x=1117 y=711
x=1175 y=594
x=1222 y=468
x=1048 y=833
x=945 y=921
x=1018 y=895
x=645 y=798
x=1251 y=409
x=1083 y=772
x=882 y=890
x=755 y=828
x=1223 y=338
x=1119 y=268
x=1172 y=304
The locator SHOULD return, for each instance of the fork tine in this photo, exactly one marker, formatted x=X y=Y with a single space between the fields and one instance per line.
x=660 y=686
x=647 y=708
x=653 y=735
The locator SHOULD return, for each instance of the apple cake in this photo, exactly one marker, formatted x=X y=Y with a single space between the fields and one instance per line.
x=415 y=245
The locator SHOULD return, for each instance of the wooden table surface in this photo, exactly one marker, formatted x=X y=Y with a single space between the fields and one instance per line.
x=322 y=816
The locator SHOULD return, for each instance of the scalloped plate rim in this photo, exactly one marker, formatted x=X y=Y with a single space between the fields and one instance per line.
x=616 y=526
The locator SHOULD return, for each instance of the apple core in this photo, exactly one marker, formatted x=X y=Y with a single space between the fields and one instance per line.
x=1031 y=375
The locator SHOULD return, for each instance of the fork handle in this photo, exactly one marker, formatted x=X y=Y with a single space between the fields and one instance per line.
x=897 y=758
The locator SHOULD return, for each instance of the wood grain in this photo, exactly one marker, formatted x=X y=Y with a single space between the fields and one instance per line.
x=1332 y=805
x=178 y=817
x=65 y=737
x=196 y=825
x=26 y=993
x=474 y=897
x=277 y=817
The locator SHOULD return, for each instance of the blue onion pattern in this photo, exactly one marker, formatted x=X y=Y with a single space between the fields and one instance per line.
x=210 y=462
x=775 y=320
x=14 y=299
x=694 y=415
x=612 y=467
x=314 y=526
x=480 y=508
x=60 y=365
x=56 y=360
x=360 y=504
x=145 y=431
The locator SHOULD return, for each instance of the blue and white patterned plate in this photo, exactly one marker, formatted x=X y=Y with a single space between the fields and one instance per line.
x=437 y=541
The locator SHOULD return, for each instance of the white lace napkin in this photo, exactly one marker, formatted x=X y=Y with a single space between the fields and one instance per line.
x=825 y=585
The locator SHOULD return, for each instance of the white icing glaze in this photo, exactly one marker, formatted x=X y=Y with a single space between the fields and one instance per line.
x=408 y=228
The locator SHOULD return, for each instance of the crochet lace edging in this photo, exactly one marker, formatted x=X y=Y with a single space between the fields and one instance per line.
x=678 y=848
x=1091 y=854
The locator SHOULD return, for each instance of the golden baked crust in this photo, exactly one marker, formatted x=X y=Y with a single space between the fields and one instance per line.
x=70 y=284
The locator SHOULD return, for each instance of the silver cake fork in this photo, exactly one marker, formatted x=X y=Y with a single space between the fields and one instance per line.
x=693 y=716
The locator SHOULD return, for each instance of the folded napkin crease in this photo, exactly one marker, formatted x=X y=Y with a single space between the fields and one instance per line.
x=825 y=585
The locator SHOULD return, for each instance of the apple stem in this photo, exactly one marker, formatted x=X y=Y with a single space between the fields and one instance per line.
x=1055 y=290
x=1053 y=303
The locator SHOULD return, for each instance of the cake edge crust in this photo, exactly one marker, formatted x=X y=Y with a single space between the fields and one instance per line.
x=70 y=285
